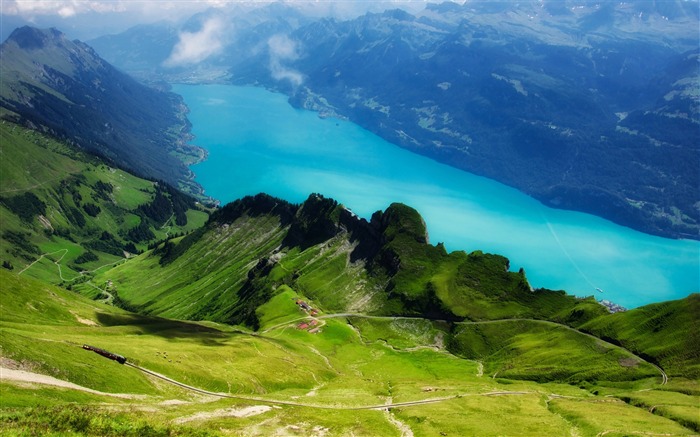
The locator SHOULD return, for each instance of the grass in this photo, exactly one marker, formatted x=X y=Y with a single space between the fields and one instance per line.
x=613 y=417
x=280 y=309
x=66 y=181
x=522 y=415
x=667 y=333
x=87 y=420
x=343 y=366
x=399 y=333
x=543 y=351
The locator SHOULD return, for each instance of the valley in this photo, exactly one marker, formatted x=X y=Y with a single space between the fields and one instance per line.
x=285 y=380
x=322 y=281
x=583 y=107
x=277 y=147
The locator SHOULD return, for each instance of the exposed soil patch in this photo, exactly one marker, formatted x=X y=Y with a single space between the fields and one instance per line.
x=83 y=320
x=225 y=412
x=21 y=376
x=629 y=362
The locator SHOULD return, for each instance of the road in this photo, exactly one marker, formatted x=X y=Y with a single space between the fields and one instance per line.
x=323 y=407
x=664 y=376
x=7 y=374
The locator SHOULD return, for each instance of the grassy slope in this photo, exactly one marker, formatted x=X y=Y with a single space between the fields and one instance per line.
x=203 y=282
x=338 y=367
x=241 y=266
x=666 y=333
x=65 y=179
x=233 y=265
x=524 y=349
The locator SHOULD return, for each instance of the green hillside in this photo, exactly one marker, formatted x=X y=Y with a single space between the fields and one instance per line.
x=66 y=214
x=65 y=88
x=284 y=380
x=279 y=319
x=666 y=333
x=237 y=262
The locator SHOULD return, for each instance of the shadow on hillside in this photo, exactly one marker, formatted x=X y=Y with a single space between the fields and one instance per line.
x=166 y=328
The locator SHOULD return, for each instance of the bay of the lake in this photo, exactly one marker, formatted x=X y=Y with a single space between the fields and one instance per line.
x=257 y=142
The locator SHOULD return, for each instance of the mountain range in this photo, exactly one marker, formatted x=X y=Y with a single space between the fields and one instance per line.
x=65 y=88
x=583 y=106
x=263 y=317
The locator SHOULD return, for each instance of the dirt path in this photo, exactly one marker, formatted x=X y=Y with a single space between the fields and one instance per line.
x=22 y=376
x=167 y=232
x=42 y=256
x=664 y=377
x=403 y=428
x=31 y=187
x=385 y=406
x=225 y=412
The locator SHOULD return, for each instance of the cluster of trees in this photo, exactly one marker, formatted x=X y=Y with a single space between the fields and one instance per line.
x=167 y=202
x=26 y=206
x=20 y=246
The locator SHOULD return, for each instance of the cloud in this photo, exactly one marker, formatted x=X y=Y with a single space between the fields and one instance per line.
x=62 y=8
x=281 y=48
x=194 y=47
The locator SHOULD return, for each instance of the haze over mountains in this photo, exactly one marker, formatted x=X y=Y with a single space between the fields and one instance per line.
x=584 y=106
x=66 y=88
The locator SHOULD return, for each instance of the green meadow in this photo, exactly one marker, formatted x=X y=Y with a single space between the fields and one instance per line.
x=395 y=337
x=287 y=381
x=66 y=214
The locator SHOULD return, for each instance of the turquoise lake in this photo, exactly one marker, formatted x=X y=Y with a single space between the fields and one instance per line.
x=257 y=142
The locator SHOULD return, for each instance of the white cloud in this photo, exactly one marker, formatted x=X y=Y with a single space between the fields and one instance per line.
x=282 y=48
x=66 y=8
x=62 y=8
x=194 y=47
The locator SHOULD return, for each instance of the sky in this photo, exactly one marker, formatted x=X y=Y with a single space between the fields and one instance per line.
x=86 y=19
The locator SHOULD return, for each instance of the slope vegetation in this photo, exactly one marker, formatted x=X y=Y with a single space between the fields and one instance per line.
x=251 y=247
x=665 y=333
x=66 y=213
x=259 y=255
x=66 y=88
x=287 y=381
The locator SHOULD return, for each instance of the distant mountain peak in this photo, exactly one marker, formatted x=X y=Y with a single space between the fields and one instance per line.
x=64 y=85
x=32 y=38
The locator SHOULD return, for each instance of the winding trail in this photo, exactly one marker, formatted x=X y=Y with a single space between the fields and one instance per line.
x=167 y=232
x=45 y=255
x=664 y=376
x=31 y=187
x=322 y=407
x=37 y=378
x=108 y=296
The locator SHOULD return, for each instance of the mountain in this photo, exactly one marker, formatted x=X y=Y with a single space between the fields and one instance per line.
x=341 y=262
x=272 y=318
x=582 y=105
x=65 y=212
x=597 y=121
x=259 y=248
x=272 y=310
x=67 y=89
